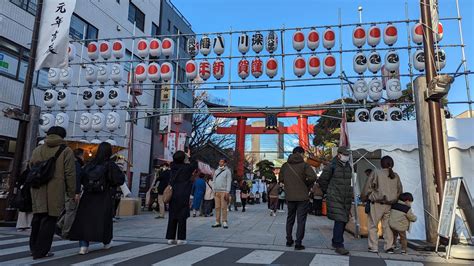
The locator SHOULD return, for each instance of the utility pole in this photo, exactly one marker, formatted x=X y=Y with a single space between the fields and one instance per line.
x=25 y=109
x=434 y=104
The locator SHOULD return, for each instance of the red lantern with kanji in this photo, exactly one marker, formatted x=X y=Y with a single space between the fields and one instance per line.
x=257 y=67
x=204 y=69
x=243 y=69
x=218 y=69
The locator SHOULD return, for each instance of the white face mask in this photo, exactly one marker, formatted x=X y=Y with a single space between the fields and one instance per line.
x=344 y=158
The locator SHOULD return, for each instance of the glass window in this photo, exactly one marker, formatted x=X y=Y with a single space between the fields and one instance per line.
x=13 y=60
x=169 y=25
x=148 y=121
x=27 y=5
x=136 y=16
x=79 y=26
x=8 y=63
x=155 y=30
x=175 y=30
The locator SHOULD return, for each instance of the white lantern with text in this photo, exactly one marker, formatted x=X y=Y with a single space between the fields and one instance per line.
x=218 y=45
x=205 y=69
x=192 y=46
x=205 y=45
x=218 y=68
x=271 y=43
x=257 y=42
x=244 y=43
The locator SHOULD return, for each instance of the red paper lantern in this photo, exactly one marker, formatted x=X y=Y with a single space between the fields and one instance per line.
x=298 y=40
x=118 y=49
x=167 y=47
x=329 y=38
x=314 y=65
x=154 y=72
x=105 y=50
x=93 y=51
x=142 y=48
x=257 y=67
x=243 y=69
x=271 y=67
x=358 y=36
x=390 y=35
x=329 y=64
x=191 y=70
x=155 y=47
x=299 y=66
x=374 y=36
x=140 y=72
x=204 y=69
x=166 y=71
x=313 y=40
x=218 y=68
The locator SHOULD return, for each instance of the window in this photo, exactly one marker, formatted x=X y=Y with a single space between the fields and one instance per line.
x=13 y=60
x=136 y=16
x=128 y=56
x=79 y=26
x=169 y=25
x=175 y=30
x=148 y=121
x=27 y=5
x=155 y=30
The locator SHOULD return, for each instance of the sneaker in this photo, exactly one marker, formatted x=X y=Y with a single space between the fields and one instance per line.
x=83 y=250
x=299 y=247
x=216 y=225
x=389 y=251
x=373 y=250
x=172 y=242
x=404 y=252
x=108 y=246
x=342 y=251
x=290 y=243
x=181 y=242
x=225 y=225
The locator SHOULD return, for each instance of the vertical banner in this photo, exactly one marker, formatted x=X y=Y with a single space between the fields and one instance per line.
x=164 y=105
x=181 y=141
x=170 y=148
x=53 y=39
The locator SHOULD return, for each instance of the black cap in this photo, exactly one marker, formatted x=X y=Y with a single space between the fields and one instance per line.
x=55 y=130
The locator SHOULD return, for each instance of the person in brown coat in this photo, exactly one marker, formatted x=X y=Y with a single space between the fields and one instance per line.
x=273 y=188
x=48 y=200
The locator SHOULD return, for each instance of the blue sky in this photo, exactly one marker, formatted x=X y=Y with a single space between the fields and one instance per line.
x=217 y=15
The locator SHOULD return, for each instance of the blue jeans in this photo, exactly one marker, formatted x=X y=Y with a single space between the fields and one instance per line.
x=338 y=234
x=83 y=243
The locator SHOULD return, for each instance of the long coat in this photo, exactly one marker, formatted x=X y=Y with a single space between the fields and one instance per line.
x=336 y=182
x=198 y=190
x=181 y=181
x=95 y=212
x=50 y=198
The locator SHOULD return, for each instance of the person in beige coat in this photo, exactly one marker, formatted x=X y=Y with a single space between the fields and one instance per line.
x=48 y=200
x=382 y=189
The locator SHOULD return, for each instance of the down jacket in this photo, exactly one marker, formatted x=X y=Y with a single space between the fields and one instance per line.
x=297 y=176
x=401 y=216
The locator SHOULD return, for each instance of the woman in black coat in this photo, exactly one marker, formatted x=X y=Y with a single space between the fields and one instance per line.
x=96 y=208
x=182 y=182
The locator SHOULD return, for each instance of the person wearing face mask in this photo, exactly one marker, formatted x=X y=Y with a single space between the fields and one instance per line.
x=335 y=182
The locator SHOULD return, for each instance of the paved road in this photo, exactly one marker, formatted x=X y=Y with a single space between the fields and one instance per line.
x=14 y=250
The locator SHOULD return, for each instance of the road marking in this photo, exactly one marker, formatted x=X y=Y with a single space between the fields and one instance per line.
x=14 y=241
x=58 y=255
x=333 y=260
x=3 y=236
x=191 y=257
x=402 y=263
x=14 y=250
x=261 y=257
x=124 y=255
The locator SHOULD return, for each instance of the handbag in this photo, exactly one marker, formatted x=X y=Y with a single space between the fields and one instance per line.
x=168 y=192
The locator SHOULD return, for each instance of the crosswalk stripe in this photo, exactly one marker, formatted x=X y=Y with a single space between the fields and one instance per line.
x=402 y=263
x=58 y=255
x=124 y=255
x=8 y=251
x=14 y=241
x=4 y=236
x=261 y=257
x=191 y=257
x=333 y=260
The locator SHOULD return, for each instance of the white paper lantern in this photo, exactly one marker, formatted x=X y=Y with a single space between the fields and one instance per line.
x=314 y=65
x=166 y=71
x=271 y=67
x=298 y=40
x=271 y=43
x=114 y=96
x=118 y=49
x=98 y=121
x=360 y=90
x=299 y=66
x=140 y=72
x=113 y=121
x=191 y=70
x=91 y=74
x=374 y=63
x=392 y=61
x=105 y=50
x=257 y=42
x=50 y=97
x=117 y=73
x=393 y=89
x=419 y=60
x=362 y=115
x=218 y=45
x=167 y=47
x=394 y=114
x=256 y=67
x=96 y=140
x=243 y=68
x=71 y=52
x=218 y=68
x=53 y=75
x=66 y=76
x=62 y=120
x=375 y=89
x=155 y=47
x=103 y=73
x=47 y=121
x=205 y=45
x=313 y=40
x=142 y=48
x=100 y=97
x=192 y=46
x=329 y=38
x=93 y=50
x=329 y=64
x=377 y=114
x=358 y=36
x=359 y=63
x=439 y=35
x=153 y=72
x=417 y=33
x=88 y=97
x=244 y=44
x=374 y=36
x=111 y=142
x=63 y=98
x=85 y=122
x=204 y=69
x=440 y=58
x=390 y=35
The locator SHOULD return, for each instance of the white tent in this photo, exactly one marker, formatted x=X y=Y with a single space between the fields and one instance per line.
x=398 y=139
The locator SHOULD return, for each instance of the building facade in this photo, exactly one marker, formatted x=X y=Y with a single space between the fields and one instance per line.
x=265 y=147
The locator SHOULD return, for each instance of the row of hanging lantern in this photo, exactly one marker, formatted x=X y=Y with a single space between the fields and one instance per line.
x=374 y=62
x=374 y=89
x=105 y=49
x=374 y=35
x=257 y=42
x=378 y=114
x=154 y=72
x=418 y=57
x=314 y=65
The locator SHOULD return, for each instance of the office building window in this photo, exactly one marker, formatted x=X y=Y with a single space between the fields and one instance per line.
x=148 y=121
x=136 y=16
x=13 y=60
x=155 y=30
x=27 y=5
x=169 y=25
x=79 y=27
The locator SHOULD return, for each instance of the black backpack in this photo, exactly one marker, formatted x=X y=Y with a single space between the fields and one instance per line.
x=94 y=177
x=42 y=172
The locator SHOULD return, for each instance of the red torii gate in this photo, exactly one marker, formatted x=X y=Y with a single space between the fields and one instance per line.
x=302 y=129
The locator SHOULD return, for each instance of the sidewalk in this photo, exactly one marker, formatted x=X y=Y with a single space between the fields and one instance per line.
x=257 y=229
